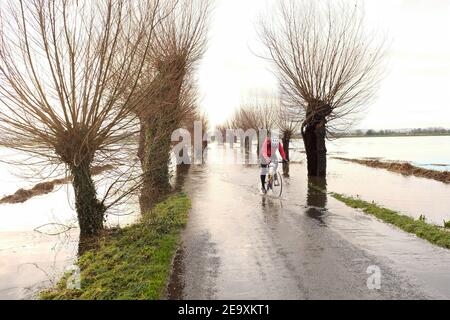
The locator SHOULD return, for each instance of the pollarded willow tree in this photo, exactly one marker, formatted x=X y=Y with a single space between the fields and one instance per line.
x=179 y=44
x=289 y=124
x=328 y=66
x=68 y=73
x=258 y=112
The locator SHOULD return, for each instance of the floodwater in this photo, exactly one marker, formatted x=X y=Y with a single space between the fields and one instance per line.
x=410 y=195
x=241 y=245
x=427 y=152
x=31 y=260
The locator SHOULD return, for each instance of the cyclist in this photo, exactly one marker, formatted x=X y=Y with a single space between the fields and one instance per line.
x=268 y=155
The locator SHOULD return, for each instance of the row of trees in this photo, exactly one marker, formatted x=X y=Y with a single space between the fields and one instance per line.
x=84 y=83
x=328 y=66
x=265 y=111
x=411 y=132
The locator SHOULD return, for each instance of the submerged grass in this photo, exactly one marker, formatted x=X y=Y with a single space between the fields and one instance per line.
x=23 y=195
x=403 y=168
x=421 y=228
x=131 y=263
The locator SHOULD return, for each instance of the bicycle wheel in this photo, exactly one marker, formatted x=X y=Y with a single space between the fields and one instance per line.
x=277 y=185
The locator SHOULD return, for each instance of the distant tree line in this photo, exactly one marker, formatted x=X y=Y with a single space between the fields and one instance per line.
x=411 y=132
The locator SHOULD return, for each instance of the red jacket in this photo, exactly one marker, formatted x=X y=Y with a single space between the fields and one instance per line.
x=267 y=150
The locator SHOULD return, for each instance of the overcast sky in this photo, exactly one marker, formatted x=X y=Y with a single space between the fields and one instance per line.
x=415 y=92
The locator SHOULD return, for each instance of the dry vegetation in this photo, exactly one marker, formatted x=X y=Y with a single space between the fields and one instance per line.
x=179 y=43
x=327 y=64
x=23 y=195
x=81 y=80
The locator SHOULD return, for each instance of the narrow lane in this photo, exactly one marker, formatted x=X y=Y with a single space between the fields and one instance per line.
x=241 y=245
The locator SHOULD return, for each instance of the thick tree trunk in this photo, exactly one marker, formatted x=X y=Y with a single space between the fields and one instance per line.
x=316 y=152
x=286 y=170
x=156 y=130
x=286 y=140
x=89 y=209
x=316 y=199
x=155 y=161
x=258 y=146
x=314 y=135
x=247 y=145
x=286 y=145
x=309 y=139
x=321 y=149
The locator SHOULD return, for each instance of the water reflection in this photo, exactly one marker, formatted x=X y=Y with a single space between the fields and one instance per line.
x=180 y=176
x=316 y=199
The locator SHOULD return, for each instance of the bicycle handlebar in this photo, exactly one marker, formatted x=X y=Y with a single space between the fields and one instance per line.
x=279 y=162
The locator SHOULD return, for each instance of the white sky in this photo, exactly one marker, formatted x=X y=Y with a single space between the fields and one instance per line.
x=415 y=92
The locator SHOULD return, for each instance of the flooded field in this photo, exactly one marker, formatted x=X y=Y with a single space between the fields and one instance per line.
x=427 y=152
x=30 y=260
x=30 y=257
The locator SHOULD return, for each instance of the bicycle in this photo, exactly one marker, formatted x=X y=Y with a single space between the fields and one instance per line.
x=274 y=182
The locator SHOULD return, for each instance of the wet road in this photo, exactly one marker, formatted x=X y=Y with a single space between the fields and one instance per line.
x=241 y=245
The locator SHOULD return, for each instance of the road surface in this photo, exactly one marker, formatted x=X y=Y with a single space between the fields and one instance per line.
x=241 y=245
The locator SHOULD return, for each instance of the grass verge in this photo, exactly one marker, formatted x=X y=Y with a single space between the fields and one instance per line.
x=432 y=233
x=132 y=263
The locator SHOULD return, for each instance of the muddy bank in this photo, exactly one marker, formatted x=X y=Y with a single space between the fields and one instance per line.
x=23 y=195
x=403 y=168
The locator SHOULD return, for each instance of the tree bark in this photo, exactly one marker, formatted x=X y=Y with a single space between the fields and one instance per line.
x=316 y=151
x=247 y=145
x=316 y=199
x=89 y=209
x=258 y=146
x=321 y=149
x=156 y=130
x=314 y=135
x=309 y=139
x=286 y=140
x=286 y=145
x=155 y=160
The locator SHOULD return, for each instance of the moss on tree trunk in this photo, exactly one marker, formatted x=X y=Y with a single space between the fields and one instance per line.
x=156 y=130
x=155 y=161
x=90 y=210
